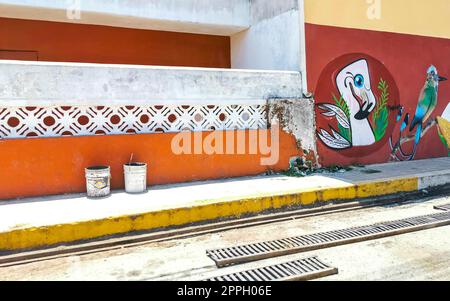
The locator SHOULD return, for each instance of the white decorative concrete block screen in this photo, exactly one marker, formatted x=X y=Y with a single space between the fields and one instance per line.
x=56 y=99
x=22 y=122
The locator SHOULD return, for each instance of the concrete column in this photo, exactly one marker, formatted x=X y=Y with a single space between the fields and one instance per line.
x=295 y=116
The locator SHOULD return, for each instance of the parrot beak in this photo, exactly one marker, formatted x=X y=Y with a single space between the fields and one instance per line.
x=441 y=79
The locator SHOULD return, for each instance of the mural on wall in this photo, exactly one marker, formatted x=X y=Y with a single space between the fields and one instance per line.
x=444 y=132
x=415 y=127
x=443 y=126
x=353 y=109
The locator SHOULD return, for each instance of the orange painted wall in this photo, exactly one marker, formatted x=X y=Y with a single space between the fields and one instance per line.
x=47 y=166
x=65 y=42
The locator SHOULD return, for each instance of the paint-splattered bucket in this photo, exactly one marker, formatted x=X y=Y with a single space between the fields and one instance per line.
x=98 y=181
x=135 y=177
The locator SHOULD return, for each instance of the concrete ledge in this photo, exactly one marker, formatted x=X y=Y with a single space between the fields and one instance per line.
x=219 y=17
x=47 y=221
x=53 y=84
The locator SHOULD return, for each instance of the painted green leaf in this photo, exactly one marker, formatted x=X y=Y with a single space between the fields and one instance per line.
x=380 y=116
x=342 y=105
x=346 y=133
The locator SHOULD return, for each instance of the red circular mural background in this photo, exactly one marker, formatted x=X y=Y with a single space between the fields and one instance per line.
x=327 y=86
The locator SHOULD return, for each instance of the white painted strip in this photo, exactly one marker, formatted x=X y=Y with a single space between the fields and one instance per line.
x=434 y=179
x=46 y=103
x=154 y=67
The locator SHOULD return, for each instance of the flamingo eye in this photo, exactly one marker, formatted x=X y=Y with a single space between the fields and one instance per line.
x=359 y=81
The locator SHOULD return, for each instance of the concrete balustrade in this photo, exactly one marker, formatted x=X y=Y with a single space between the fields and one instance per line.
x=52 y=84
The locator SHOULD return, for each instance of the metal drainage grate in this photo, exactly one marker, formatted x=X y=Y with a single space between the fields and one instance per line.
x=303 y=243
x=303 y=269
x=443 y=207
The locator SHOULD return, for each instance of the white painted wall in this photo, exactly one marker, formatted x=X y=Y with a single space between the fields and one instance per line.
x=275 y=39
x=219 y=17
x=271 y=44
x=267 y=9
x=446 y=114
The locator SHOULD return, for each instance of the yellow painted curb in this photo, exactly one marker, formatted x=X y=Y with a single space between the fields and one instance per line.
x=44 y=236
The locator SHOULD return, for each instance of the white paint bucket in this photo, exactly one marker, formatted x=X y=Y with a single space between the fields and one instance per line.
x=98 y=181
x=135 y=177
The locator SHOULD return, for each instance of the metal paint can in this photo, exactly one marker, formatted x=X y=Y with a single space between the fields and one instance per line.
x=98 y=180
x=135 y=177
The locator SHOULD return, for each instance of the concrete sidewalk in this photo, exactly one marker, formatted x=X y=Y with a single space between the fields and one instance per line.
x=41 y=222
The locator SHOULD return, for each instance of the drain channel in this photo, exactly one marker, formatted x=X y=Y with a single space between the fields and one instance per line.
x=443 y=207
x=257 y=251
x=303 y=269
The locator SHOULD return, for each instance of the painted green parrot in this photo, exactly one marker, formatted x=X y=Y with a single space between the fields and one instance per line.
x=427 y=103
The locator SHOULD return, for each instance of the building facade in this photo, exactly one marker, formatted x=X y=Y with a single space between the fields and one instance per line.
x=203 y=89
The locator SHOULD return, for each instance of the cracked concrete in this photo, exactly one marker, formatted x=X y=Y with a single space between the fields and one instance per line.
x=296 y=117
